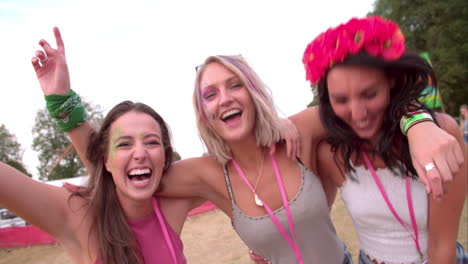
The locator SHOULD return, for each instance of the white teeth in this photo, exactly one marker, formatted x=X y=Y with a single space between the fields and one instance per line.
x=363 y=123
x=139 y=171
x=230 y=113
x=140 y=182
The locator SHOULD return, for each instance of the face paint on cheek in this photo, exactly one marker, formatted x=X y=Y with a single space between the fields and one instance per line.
x=204 y=93
x=210 y=115
x=113 y=146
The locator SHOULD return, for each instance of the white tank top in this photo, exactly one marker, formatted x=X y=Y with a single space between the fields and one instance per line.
x=381 y=236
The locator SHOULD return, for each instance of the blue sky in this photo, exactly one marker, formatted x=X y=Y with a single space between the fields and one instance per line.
x=147 y=51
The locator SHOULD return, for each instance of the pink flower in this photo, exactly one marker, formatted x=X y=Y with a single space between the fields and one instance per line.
x=342 y=45
x=375 y=35
x=314 y=58
x=374 y=47
x=355 y=34
x=394 y=47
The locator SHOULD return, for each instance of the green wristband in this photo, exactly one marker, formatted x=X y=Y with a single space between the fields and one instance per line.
x=55 y=101
x=75 y=118
x=417 y=122
x=68 y=105
x=414 y=118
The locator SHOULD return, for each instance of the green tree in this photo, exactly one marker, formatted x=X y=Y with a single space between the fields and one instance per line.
x=315 y=100
x=176 y=156
x=10 y=150
x=57 y=157
x=441 y=29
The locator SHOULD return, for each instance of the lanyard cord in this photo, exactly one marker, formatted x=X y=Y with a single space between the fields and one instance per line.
x=164 y=229
x=409 y=200
x=291 y=240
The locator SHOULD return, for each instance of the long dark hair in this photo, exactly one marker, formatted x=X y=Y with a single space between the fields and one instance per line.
x=116 y=241
x=411 y=74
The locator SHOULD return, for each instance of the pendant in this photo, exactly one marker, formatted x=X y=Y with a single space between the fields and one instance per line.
x=257 y=200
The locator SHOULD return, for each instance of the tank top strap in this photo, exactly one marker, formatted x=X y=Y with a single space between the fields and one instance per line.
x=228 y=184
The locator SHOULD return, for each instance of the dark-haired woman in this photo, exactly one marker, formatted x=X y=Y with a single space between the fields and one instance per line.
x=365 y=81
x=115 y=218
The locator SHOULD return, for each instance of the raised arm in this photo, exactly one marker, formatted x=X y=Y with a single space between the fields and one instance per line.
x=444 y=215
x=51 y=70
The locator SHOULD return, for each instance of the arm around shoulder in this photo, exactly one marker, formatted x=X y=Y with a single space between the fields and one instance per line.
x=444 y=151
x=309 y=124
x=444 y=215
x=190 y=178
x=328 y=171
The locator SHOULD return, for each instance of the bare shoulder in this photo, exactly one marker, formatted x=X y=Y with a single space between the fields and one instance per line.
x=307 y=119
x=311 y=131
x=198 y=167
x=191 y=177
x=327 y=166
x=176 y=209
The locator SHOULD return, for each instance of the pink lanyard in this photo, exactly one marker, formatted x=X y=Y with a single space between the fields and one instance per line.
x=389 y=204
x=291 y=241
x=164 y=229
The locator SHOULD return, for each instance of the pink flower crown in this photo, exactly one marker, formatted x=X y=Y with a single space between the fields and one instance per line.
x=375 y=35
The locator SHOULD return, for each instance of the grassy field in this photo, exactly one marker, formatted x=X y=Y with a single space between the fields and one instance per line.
x=209 y=238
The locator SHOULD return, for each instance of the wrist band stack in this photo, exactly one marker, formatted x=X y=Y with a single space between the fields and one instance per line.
x=67 y=110
x=413 y=118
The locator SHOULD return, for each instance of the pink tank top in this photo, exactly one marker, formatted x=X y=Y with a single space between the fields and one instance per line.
x=150 y=237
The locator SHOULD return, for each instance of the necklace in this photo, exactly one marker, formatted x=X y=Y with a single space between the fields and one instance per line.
x=257 y=200
x=290 y=238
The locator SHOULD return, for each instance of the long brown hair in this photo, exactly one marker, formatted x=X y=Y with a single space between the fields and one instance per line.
x=116 y=241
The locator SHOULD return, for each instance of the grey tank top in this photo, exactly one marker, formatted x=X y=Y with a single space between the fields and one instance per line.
x=316 y=235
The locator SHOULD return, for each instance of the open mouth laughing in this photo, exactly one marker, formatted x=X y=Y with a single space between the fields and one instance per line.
x=139 y=177
x=232 y=114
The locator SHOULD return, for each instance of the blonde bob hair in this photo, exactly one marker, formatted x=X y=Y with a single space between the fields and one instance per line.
x=267 y=122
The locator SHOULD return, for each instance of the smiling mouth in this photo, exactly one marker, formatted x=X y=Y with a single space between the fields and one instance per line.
x=139 y=176
x=362 y=124
x=231 y=114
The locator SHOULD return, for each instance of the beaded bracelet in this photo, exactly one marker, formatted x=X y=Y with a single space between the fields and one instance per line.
x=67 y=110
x=413 y=118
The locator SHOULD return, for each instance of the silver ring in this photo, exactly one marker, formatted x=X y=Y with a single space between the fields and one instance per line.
x=429 y=166
x=44 y=60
